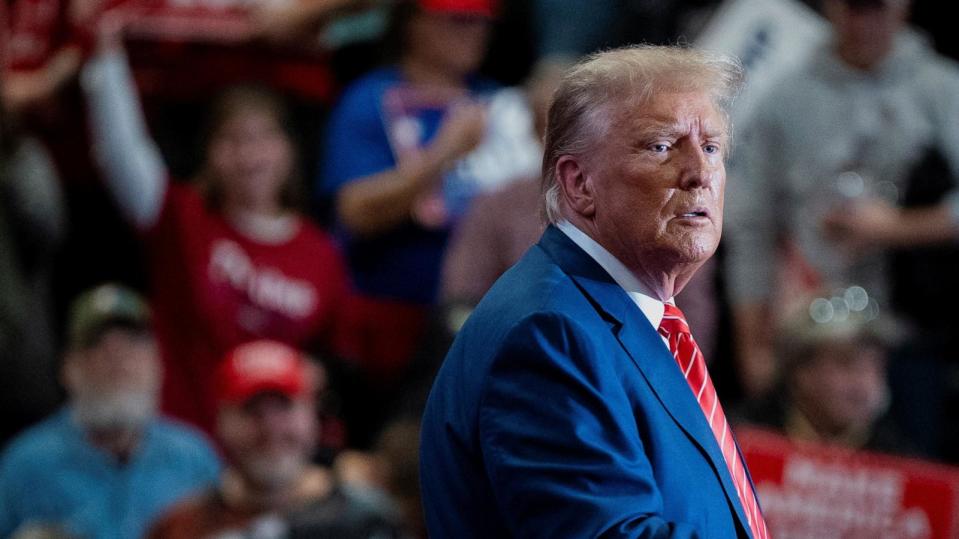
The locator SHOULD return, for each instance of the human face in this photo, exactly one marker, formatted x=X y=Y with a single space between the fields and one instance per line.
x=843 y=387
x=865 y=34
x=454 y=44
x=115 y=382
x=657 y=182
x=270 y=438
x=251 y=157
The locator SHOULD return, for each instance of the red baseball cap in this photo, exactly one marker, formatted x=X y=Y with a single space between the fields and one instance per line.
x=483 y=8
x=259 y=367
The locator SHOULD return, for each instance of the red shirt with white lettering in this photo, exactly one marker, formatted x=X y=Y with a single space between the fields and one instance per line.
x=214 y=288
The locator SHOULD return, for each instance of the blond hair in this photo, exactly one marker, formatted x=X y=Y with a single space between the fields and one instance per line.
x=578 y=115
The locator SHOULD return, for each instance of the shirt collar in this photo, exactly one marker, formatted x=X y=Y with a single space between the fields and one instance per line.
x=651 y=307
x=79 y=435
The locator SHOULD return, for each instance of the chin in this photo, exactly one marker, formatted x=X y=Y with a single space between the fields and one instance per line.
x=274 y=472
x=696 y=252
x=115 y=410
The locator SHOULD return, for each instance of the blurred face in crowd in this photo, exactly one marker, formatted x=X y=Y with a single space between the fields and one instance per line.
x=452 y=43
x=251 y=156
x=269 y=438
x=865 y=30
x=114 y=383
x=656 y=182
x=842 y=387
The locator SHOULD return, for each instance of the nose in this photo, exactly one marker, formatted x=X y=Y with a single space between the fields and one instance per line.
x=271 y=413
x=696 y=169
x=248 y=149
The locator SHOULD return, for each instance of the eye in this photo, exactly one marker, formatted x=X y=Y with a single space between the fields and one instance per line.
x=659 y=147
x=712 y=149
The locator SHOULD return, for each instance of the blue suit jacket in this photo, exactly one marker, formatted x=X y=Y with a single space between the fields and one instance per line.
x=559 y=412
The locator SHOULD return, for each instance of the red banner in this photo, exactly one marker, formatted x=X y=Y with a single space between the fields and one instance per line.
x=222 y=21
x=823 y=492
x=192 y=49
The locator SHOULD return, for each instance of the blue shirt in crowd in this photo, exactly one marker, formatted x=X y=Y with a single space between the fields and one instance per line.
x=404 y=263
x=51 y=475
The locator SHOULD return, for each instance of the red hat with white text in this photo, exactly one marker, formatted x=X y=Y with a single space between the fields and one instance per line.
x=263 y=367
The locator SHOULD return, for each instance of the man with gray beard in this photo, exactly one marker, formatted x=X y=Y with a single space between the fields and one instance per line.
x=106 y=465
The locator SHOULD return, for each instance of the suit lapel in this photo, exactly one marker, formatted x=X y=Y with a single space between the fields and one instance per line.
x=646 y=349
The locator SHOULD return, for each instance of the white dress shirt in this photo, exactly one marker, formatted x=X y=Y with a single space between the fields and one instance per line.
x=651 y=307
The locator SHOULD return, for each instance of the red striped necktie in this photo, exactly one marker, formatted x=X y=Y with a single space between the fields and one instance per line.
x=693 y=365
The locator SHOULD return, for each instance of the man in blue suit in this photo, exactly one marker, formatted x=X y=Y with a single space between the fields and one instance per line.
x=560 y=410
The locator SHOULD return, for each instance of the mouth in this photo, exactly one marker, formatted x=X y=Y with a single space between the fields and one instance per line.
x=693 y=213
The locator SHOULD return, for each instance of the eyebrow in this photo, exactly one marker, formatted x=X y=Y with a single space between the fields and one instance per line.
x=670 y=130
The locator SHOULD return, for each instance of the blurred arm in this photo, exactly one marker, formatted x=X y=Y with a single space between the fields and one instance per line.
x=875 y=223
x=872 y=223
x=134 y=169
x=377 y=203
x=382 y=201
x=280 y=21
x=24 y=89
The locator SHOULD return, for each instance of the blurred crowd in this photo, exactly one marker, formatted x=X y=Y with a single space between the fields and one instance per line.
x=237 y=238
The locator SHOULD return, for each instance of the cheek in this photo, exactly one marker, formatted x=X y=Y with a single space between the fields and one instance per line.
x=145 y=372
x=636 y=203
x=464 y=46
x=281 y=153
x=305 y=425
x=866 y=383
x=842 y=389
x=235 y=432
x=220 y=157
x=717 y=181
x=100 y=373
x=472 y=38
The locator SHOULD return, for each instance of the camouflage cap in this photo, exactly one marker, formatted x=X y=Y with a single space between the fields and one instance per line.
x=104 y=307
x=848 y=316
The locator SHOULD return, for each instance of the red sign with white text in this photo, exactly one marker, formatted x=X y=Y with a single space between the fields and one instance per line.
x=221 y=21
x=824 y=492
x=191 y=49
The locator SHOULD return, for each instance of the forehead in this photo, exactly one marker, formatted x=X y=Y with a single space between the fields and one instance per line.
x=681 y=110
x=871 y=5
x=272 y=401
x=454 y=19
x=120 y=333
x=250 y=117
x=849 y=352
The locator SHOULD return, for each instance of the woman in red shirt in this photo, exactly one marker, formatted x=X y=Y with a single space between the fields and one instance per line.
x=231 y=258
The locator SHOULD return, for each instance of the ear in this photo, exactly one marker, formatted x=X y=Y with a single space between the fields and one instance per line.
x=576 y=185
